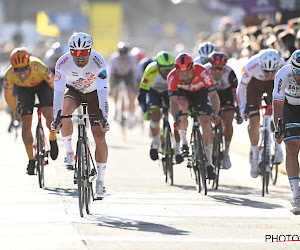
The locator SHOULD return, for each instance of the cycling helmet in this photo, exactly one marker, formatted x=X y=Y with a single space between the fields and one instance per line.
x=80 y=41
x=183 y=62
x=205 y=49
x=295 y=60
x=19 y=58
x=138 y=53
x=218 y=58
x=122 y=48
x=57 y=49
x=269 y=59
x=164 y=58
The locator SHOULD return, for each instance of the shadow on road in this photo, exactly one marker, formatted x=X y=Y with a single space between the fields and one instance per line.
x=136 y=225
x=185 y=187
x=70 y=192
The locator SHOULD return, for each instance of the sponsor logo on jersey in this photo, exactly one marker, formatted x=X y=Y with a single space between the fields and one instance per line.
x=253 y=66
x=80 y=83
x=62 y=62
x=97 y=61
x=279 y=86
x=57 y=76
x=146 y=80
x=74 y=73
x=103 y=74
x=206 y=77
x=49 y=76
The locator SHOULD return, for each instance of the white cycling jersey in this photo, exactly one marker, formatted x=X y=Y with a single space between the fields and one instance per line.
x=91 y=77
x=123 y=65
x=286 y=87
x=197 y=59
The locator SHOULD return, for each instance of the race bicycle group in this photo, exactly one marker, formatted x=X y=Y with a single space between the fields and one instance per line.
x=204 y=88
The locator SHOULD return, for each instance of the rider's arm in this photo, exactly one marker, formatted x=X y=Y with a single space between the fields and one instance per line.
x=8 y=94
x=215 y=101
x=102 y=92
x=59 y=88
x=233 y=83
x=241 y=97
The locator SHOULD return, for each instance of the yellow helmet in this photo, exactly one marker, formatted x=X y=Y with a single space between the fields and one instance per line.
x=19 y=58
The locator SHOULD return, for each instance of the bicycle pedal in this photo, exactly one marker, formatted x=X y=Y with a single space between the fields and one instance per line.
x=75 y=182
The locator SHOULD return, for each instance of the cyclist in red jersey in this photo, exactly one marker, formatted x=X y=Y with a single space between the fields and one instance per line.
x=193 y=81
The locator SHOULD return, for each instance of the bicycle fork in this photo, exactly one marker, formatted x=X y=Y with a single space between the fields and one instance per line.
x=266 y=129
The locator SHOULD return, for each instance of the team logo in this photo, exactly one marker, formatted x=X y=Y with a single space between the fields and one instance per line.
x=57 y=76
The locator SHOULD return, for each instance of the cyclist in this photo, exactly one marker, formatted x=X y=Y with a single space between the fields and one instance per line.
x=31 y=76
x=286 y=96
x=225 y=81
x=258 y=77
x=123 y=66
x=193 y=81
x=204 y=50
x=154 y=85
x=83 y=70
x=52 y=55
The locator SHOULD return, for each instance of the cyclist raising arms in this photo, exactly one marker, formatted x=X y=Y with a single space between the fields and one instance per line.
x=31 y=77
x=286 y=96
x=258 y=78
x=154 y=84
x=193 y=81
x=204 y=51
x=83 y=70
x=225 y=81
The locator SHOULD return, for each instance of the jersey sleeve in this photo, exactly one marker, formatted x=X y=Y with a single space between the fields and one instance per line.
x=8 y=92
x=279 y=86
x=148 y=76
x=46 y=74
x=60 y=81
x=232 y=79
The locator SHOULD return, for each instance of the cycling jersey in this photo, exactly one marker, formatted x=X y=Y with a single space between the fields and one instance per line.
x=152 y=79
x=38 y=73
x=199 y=60
x=285 y=87
x=91 y=77
x=201 y=79
x=123 y=65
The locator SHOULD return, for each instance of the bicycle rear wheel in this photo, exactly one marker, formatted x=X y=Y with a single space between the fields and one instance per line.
x=169 y=153
x=40 y=155
x=217 y=155
x=80 y=175
x=274 y=173
x=200 y=156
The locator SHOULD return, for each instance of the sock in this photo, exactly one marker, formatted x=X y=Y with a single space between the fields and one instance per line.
x=182 y=134
x=277 y=145
x=177 y=150
x=29 y=151
x=155 y=141
x=208 y=150
x=101 y=171
x=227 y=144
x=294 y=183
x=52 y=136
x=68 y=144
x=254 y=150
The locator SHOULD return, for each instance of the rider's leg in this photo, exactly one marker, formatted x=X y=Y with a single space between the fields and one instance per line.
x=155 y=129
x=227 y=118
x=205 y=122
x=182 y=126
x=27 y=135
x=253 y=131
x=131 y=106
x=174 y=106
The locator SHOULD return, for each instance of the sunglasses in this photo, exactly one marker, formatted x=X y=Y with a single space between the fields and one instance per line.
x=21 y=69
x=296 y=71
x=84 y=52
x=220 y=68
x=204 y=60
x=269 y=71
x=165 y=69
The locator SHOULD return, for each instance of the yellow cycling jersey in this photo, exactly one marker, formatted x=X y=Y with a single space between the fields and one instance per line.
x=152 y=79
x=39 y=72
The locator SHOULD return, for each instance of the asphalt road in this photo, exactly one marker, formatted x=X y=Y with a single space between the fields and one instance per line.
x=140 y=210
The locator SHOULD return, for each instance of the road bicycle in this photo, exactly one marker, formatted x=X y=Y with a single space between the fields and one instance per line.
x=166 y=147
x=267 y=168
x=84 y=173
x=197 y=159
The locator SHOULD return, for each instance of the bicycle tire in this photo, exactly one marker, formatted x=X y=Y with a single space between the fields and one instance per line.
x=163 y=153
x=80 y=175
x=217 y=155
x=169 y=153
x=274 y=173
x=200 y=156
x=40 y=155
x=88 y=184
x=265 y=175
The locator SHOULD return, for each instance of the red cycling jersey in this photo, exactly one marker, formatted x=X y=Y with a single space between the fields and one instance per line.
x=201 y=79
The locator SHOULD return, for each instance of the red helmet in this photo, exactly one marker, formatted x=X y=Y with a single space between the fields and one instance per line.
x=138 y=53
x=218 y=58
x=183 y=62
x=19 y=58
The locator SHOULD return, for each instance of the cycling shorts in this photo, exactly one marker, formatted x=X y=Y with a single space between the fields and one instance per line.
x=26 y=97
x=255 y=90
x=199 y=100
x=226 y=98
x=128 y=79
x=291 y=113
x=91 y=99
x=155 y=98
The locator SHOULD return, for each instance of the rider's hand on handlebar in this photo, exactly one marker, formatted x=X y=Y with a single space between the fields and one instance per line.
x=105 y=128
x=215 y=119
x=277 y=138
x=56 y=127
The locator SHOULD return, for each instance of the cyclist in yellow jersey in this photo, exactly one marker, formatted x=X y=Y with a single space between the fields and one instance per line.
x=154 y=86
x=31 y=76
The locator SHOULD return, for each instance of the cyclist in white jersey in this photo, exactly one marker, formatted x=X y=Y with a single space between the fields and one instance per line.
x=258 y=78
x=286 y=97
x=225 y=81
x=83 y=70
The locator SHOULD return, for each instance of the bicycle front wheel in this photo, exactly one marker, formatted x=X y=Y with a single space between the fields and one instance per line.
x=80 y=175
x=217 y=155
x=263 y=164
x=40 y=155
x=88 y=184
x=200 y=156
x=169 y=153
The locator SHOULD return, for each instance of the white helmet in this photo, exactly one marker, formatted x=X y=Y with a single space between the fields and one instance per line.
x=269 y=59
x=295 y=60
x=206 y=48
x=80 y=41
